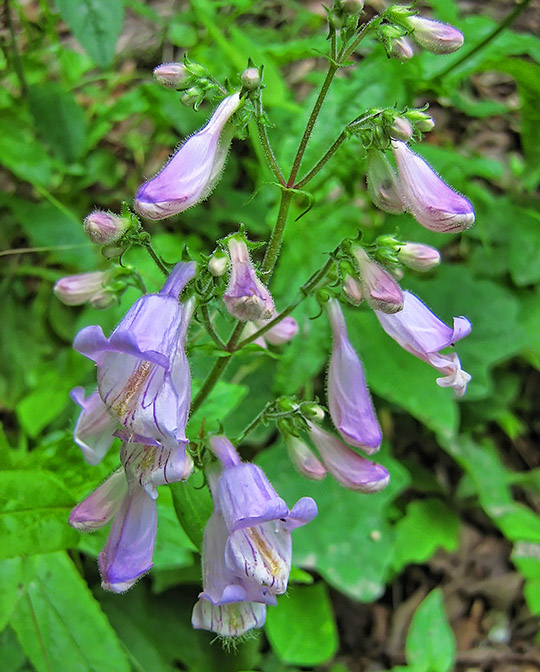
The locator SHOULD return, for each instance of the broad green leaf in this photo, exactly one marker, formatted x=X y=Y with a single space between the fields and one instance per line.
x=302 y=630
x=349 y=525
x=40 y=407
x=34 y=509
x=10 y=577
x=96 y=24
x=60 y=625
x=223 y=399
x=430 y=645
x=13 y=657
x=59 y=120
x=193 y=506
x=21 y=153
x=428 y=524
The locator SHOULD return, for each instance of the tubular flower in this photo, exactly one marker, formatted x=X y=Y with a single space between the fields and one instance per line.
x=349 y=401
x=143 y=374
x=430 y=200
x=421 y=333
x=346 y=466
x=282 y=332
x=435 y=36
x=304 y=459
x=246 y=297
x=259 y=522
x=192 y=172
x=383 y=183
x=74 y=290
x=95 y=427
x=418 y=256
x=379 y=288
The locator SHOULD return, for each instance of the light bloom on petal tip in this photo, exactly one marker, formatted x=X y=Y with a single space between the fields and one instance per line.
x=99 y=507
x=74 y=290
x=95 y=427
x=346 y=466
x=143 y=373
x=192 y=172
x=349 y=401
x=304 y=459
x=246 y=297
x=430 y=200
x=420 y=332
x=379 y=288
x=435 y=36
x=383 y=183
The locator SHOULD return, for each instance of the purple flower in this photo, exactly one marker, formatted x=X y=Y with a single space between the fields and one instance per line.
x=246 y=297
x=427 y=197
x=304 y=459
x=282 y=332
x=421 y=333
x=346 y=466
x=434 y=36
x=192 y=172
x=95 y=427
x=379 y=288
x=349 y=401
x=171 y=75
x=383 y=183
x=100 y=507
x=259 y=522
x=352 y=290
x=104 y=227
x=418 y=256
x=143 y=373
x=74 y=290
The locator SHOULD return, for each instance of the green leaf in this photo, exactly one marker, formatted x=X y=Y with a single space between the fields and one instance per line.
x=13 y=658
x=39 y=408
x=348 y=525
x=59 y=120
x=96 y=24
x=302 y=629
x=428 y=524
x=34 y=508
x=193 y=506
x=21 y=153
x=10 y=577
x=60 y=625
x=223 y=399
x=430 y=645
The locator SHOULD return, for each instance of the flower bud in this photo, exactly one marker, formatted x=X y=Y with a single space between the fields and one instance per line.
x=352 y=6
x=104 y=227
x=218 y=264
x=379 y=289
x=352 y=290
x=304 y=459
x=171 y=75
x=383 y=183
x=313 y=411
x=74 y=290
x=114 y=251
x=401 y=129
x=418 y=256
x=251 y=78
x=434 y=36
x=430 y=200
x=246 y=297
x=401 y=49
x=191 y=97
x=282 y=332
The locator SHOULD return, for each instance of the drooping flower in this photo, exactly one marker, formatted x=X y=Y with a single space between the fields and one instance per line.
x=94 y=431
x=430 y=200
x=74 y=290
x=246 y=297
x=259 y=523
x=304 y=459
x=434 y=36
x=346 y=466
x=143 y=374
x=379 y=288
x=282 y=332
x=420 y=332
x=383 y=184
x=192 y=172
x=418 y=256
x=101 y=505
x=352 y=290
x=105 y=227
x=349 y=401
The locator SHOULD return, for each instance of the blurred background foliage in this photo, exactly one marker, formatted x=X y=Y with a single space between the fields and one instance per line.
x=441 y=570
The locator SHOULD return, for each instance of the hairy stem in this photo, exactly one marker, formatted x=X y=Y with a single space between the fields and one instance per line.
x=272 y=250
x=247 y=430
x=269 y=152
x=156 y=259
x=205 y=316
x=322 y=162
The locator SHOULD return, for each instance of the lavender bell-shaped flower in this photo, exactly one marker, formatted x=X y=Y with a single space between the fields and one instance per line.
x=421 y=333
x=246 y=297
x=143 y=373
x=379 y=288
x=346 y=466
x=259 y=522
x=101 y=505
x=349 y=401
x=430 y=200
x=192 y=172
x=94 y=431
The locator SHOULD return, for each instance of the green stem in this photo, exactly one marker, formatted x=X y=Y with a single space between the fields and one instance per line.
x=205 y=315
x=274 y=243
x=247 y=430
x=507 y=21
x=322 y=162
x=156 y=259
x=267 y=147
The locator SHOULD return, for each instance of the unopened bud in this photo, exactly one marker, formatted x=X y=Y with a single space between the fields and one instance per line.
x=352 y=290
x=191 y=96
x=401 y=49
x=171 y=75
x=434 y=36
x=401 y=129
x=352 y=6
x=379 y=289
x=104 y=227
x=313 y=411
x=383 y=183
x=420 y=120
x=251 y=78
x=218 y=264
x=304 y=459
x=74 y=290
x=418 y=256
x=282 y=332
